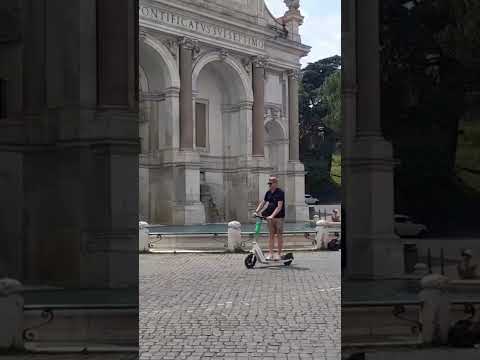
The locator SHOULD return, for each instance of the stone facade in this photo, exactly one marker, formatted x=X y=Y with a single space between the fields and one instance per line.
x=69 y=142
x=219 y=109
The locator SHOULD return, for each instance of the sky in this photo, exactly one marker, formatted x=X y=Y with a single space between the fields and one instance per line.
x=321 y=28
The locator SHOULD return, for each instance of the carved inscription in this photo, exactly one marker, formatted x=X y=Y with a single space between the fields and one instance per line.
x=212 y=30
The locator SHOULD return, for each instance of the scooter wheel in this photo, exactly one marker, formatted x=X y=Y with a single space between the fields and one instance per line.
x=250 y=261
x=289 y=257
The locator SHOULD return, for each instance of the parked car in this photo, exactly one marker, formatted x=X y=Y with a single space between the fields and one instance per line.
x=405 y=227
x=310 y=200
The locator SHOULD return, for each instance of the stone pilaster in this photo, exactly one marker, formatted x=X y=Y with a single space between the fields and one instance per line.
x=186 y=49
x=296 y=209
x=293 y=78
x=373 y=251
x=258 y=132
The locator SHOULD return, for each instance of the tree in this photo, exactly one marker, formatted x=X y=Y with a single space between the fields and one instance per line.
x=428 y=65
x=312 y=109
x=331 y=96
x=320 y=102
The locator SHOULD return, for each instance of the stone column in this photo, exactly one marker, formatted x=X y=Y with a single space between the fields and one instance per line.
x=187 y=47
x=258 y=106
x=293 y=77
x=373 y=251
x=295 y=179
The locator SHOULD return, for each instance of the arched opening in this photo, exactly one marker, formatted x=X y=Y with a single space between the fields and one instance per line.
x=276 y=147
x=221 y=126
x=158 y=76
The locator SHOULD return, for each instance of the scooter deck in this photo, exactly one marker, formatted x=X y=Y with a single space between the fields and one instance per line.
x=277 y=261
x=274 y=262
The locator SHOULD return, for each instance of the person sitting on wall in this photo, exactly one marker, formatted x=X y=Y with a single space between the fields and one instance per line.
x=467 y=270
x=335 y=216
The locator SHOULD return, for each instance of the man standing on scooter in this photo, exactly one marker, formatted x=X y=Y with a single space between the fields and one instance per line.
x=275 y=214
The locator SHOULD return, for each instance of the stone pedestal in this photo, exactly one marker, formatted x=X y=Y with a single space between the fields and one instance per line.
x=292 y=20
x=11 y=315
x=174 y=185
x=143 y=236
x=435 y=315
x=296 y=210
x=377 y=250
x=234 y=235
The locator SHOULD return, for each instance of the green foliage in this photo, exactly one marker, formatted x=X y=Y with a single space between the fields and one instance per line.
x=336 y=171
x=468 y=154
x=320 y=124
x=312 y=109
x=429 y=63
x=331 y=96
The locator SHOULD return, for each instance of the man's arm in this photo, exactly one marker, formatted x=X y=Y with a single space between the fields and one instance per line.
x=277 y=210
x=260 y=206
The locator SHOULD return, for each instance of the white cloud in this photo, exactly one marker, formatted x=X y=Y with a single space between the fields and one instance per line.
x=323 y=34
x=321 y=30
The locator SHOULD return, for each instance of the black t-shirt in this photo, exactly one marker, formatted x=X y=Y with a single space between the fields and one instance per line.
x=273 y=199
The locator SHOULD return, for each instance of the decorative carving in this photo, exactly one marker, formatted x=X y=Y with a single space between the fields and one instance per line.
x=30 y=334
x=189 y=44
x=172 y=46
x=247 y=64
x=197 y=52
x=295 y=74
x=223 y=54
x=292 y=4
x=260 y=61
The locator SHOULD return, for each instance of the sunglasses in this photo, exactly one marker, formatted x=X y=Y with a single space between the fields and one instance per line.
x=269 y=183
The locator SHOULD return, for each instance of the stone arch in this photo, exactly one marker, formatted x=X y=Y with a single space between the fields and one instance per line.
x=276 y=146
x=143 y=80
x=277 y=129
x=159 y=81
x=221 y=83
x=171 y=71
x=236 y=66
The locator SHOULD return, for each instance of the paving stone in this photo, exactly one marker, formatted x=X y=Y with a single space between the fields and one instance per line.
x=209 y=306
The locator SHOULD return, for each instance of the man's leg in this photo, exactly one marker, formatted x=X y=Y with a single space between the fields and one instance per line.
x=279 y=230
x=271 y=240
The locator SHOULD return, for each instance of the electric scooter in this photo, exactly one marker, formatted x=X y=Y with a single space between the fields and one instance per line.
x=257 y=254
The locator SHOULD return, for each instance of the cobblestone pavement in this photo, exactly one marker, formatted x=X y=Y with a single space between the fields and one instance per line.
x=202 y=306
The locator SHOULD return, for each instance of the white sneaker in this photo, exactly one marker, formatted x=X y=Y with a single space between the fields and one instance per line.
x=268 y=257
